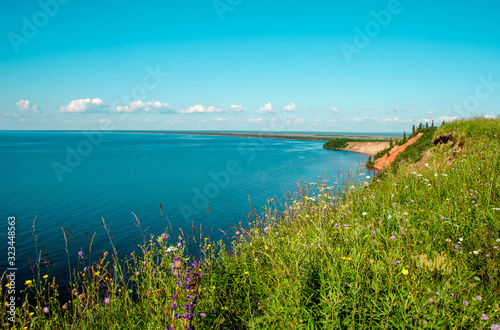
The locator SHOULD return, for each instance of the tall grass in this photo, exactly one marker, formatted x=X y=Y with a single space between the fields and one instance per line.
x=416 y=248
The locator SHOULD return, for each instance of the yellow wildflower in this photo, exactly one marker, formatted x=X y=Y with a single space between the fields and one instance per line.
x=45 y=276
x=404 y=271
x=28 y=283
x=246 y=273
x=7 y=285
x=346 y=258
x=266 y=247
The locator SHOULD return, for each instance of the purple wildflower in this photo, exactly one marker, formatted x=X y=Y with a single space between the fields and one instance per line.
x=393 y=237
x=437 y=293
x=465 y=302
x=237 y=232
x=80 y=254
x=397 y=262
x=431 y=300
x=256 y=259
x=479 y=298
x=203 y=314
x=372 y=231
x=46 y=310
x=457 y=246
x=107 y=300
x=484 y=317
x=495 y=327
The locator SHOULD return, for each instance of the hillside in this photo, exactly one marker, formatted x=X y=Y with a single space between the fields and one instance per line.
x=417 y=248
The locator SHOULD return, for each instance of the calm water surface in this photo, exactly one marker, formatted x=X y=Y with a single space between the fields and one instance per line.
x=42 y=176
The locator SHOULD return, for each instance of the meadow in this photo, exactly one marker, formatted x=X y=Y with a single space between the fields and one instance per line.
x=416 y=248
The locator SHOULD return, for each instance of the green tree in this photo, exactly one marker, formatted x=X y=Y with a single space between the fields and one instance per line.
x=404 y=137
x=432 y=124
x=426 y=125
x=391 y=143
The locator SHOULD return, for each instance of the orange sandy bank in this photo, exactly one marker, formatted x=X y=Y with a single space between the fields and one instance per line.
x=385 y=161
x=370 y=148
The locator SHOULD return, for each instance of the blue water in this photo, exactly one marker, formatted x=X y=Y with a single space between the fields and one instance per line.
x=43 y=176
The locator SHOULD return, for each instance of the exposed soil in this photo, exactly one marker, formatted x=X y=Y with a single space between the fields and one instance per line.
x=369 y=148
x=385 y=161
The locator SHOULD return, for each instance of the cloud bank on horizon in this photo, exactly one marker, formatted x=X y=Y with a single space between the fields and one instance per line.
x=363 y=67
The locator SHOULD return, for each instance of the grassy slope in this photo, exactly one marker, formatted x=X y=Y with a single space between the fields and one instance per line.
x=374 y=259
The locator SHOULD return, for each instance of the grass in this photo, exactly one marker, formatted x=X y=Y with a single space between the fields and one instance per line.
x=417 y=248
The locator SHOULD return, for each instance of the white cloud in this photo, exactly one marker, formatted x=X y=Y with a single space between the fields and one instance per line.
x=236 y=108
x=334 y=110
x=430 y=112
x=425 y=120
x=139 y=106
x=200 y=109
x=23 y=119
x=66 y=121
x=290 y=108
x=410 y=103
x=396 y=120
x=397 y=110
x=103 y=120
x=253 y=120
x=447 y=118
x=295 y=121
x=488 y=116
x=359 y=119
x=147 y=120
x=25 y=106
x=4 y=114
x=267 y=108
x=366 y=108
x=84 y=105
x=332 y=122
x=220 y=119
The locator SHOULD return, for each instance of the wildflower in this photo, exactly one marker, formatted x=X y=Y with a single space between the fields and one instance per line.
x=437 y=293
x=465 y=302
x=105 y=254
x=179 y=244
x=267 y=230
x=364 y=213
x=246 y=273
x=457 y=247
x=237 y=232
x=495 y=327
x=372 y=231
x=475 y=252
x=80 y=254
x=45 y=276
x=431 y=300
x=484 y=317
x=393 y=237
x=7 y=285
x=404 y=271
x=277 y=233
x=256 y=259
x=266 y=247
x=477 y=278
x=28 y=283
x=46 y=310
x=64 y=306
x=479 y=298
x=346 y=258
x=203 y=314
x=397 y=262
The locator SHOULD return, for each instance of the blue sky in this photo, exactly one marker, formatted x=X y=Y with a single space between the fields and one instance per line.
x=364 y=66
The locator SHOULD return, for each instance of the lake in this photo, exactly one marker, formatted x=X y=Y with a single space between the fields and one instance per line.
x=75 y=180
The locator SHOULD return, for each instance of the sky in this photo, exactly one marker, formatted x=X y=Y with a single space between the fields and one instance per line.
x=326 y=66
